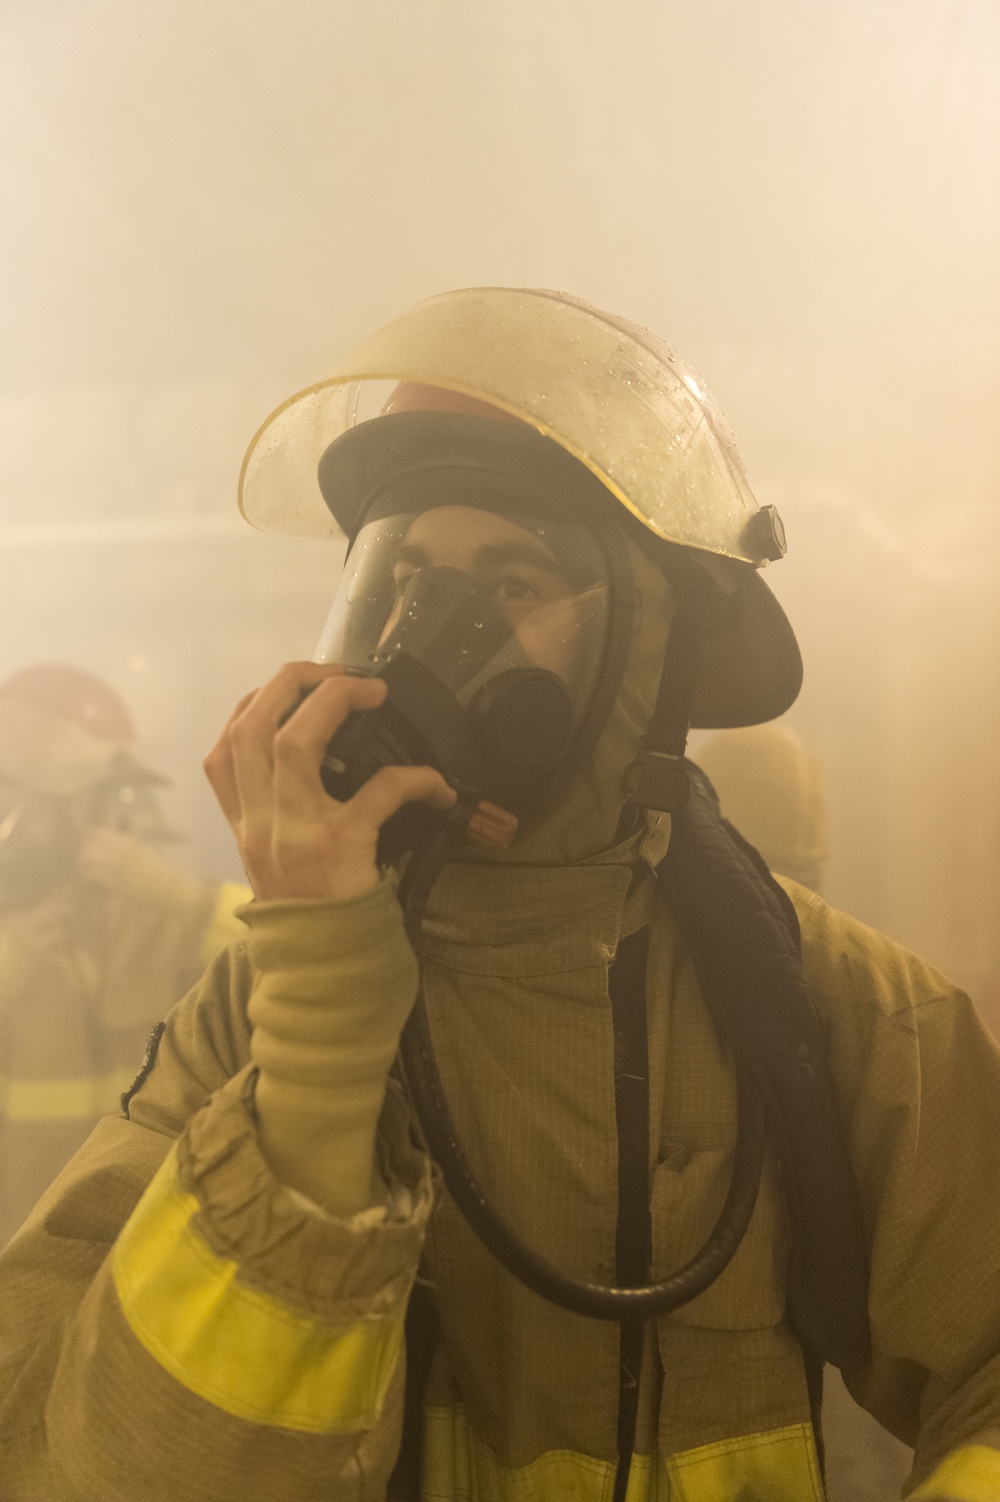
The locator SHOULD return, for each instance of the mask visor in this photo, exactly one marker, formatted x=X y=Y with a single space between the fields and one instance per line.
x=508 y=612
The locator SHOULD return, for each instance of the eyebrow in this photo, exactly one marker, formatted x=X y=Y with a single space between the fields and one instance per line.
x=489 y=555
x=495 y=554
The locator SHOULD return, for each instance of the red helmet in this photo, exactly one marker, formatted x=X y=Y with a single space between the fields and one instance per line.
x=61 y=729
x=72 y=694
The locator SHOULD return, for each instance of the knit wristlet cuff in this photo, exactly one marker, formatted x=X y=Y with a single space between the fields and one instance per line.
x=294 y=932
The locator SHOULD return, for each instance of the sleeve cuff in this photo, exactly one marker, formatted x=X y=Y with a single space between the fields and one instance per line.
x=284 y=1244
x=288 y=933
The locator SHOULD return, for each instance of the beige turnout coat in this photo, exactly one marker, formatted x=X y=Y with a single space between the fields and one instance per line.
x=175 y=1324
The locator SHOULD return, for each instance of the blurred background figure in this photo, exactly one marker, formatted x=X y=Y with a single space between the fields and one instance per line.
x=770 y=785
x=100 y=931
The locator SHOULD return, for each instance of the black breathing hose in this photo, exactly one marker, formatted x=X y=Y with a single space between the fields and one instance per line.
x=426 y=1092
x=534 y=1271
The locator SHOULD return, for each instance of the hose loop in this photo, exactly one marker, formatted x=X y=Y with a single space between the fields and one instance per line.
x=426 y=1091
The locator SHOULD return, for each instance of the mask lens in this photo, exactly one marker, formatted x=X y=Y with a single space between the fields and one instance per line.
x=474 y=593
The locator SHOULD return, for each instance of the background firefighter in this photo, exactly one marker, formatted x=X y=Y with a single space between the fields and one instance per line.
x=100 y=930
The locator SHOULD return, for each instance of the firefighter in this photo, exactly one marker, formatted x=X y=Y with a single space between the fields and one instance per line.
x=253 y=1283
x=100 y=931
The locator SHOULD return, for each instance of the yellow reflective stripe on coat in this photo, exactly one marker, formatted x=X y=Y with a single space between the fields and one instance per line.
x=65 y=1099
x=779 y=1465
x=458 y=1465
x=971 y=1474
x=233 y=1345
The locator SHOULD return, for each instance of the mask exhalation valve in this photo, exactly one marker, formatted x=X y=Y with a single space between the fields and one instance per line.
x=523 y=719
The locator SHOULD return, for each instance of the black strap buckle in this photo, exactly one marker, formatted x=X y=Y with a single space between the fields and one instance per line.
x=657 y=780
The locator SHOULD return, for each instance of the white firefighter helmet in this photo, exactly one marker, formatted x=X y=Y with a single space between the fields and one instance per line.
x=606 y=391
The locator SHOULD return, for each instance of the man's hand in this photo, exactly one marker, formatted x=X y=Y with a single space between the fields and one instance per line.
x=295 y=840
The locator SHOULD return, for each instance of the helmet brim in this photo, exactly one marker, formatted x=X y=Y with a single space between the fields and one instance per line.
x=750 y=671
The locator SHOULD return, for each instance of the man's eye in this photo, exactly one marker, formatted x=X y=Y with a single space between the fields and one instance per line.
x=515 y=591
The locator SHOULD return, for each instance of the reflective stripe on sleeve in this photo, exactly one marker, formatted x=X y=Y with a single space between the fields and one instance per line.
x=778 y=1465
x=233 y=1345
x=971 y=1474
x=63 y=1099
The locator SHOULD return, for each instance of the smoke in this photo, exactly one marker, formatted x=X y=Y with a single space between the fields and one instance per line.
x=206 y=202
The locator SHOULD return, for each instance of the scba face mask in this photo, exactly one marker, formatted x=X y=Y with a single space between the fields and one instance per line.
x=497 y=609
